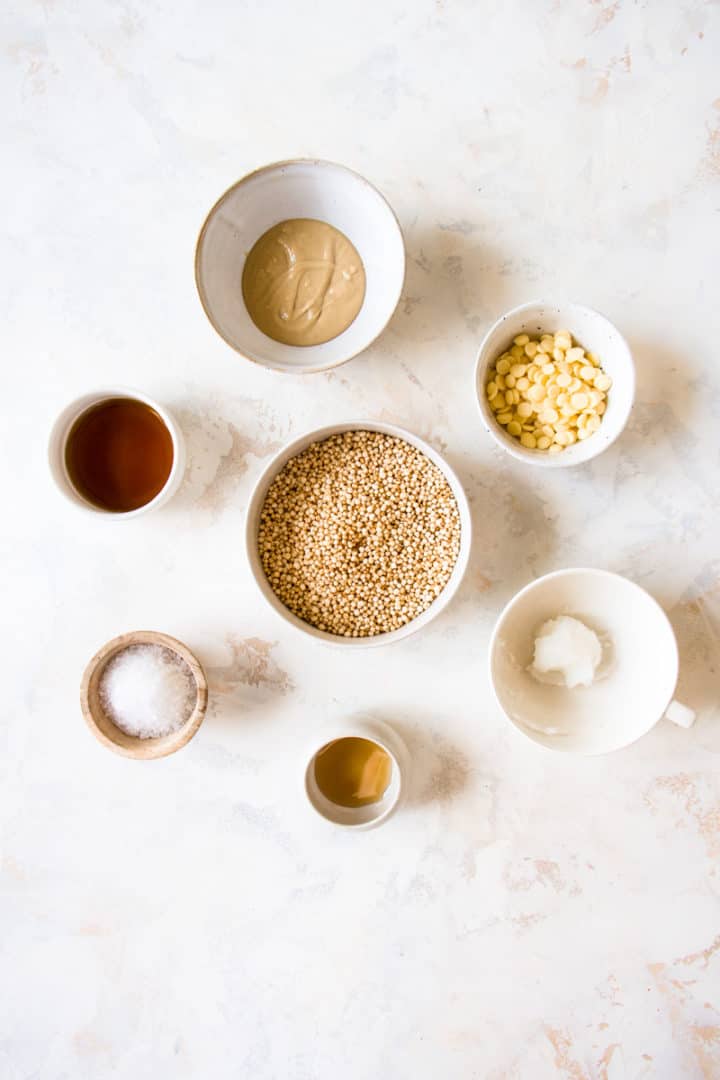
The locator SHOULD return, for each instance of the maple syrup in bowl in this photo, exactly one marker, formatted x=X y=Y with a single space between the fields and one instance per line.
x=117 y=452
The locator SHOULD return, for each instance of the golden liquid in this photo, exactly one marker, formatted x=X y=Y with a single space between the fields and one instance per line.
x=303 y=282
x=352 y=771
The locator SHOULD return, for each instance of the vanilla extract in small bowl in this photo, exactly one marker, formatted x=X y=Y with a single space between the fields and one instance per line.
x=356 y=773
x=353 y=771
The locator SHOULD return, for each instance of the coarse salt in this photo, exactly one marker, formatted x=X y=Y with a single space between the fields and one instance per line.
x=148 y=691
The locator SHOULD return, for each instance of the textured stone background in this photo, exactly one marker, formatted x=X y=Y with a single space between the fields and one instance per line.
x=527 y=916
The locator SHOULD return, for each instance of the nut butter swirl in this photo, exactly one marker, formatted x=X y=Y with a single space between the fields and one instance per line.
x=303 y=282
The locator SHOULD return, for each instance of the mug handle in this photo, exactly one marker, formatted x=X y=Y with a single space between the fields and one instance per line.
x=680 y=714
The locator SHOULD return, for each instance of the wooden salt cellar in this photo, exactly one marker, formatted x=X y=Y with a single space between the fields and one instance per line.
x=102 y=726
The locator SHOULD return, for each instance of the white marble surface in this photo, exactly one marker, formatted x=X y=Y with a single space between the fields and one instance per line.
x=527 y=916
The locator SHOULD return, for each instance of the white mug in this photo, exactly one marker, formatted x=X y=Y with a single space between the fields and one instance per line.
x=628 y=697
x=63 y=426
x=359 y=817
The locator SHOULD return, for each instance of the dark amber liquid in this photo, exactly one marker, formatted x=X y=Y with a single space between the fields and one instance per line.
x=119 y=454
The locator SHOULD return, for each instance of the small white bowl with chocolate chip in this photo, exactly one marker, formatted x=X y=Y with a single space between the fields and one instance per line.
x=555 y=383
x=358 y=534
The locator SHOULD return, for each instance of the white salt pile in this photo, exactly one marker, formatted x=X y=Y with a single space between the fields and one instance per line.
x=147 y=691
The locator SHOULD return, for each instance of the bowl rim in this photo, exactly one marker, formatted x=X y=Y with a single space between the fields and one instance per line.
x=522 y=453
x=308 y=369
x=160 y=746
x=60 y=432
x=296 y=446
x=593 y=571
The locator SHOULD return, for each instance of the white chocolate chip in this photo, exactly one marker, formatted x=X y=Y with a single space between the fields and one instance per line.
x=554 y=401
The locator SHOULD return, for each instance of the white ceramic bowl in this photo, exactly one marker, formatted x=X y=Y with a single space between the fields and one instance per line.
x=59 y=436
x=638 y=673
x=253 y=519
x=596 y=334
x=293 y=189
x=361 y=817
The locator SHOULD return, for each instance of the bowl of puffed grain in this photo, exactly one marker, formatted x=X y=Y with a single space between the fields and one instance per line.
x=358 y=534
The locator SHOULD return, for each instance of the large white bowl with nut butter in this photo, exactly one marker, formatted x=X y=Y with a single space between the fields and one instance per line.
x=252 y=523
x=596 y=334
x=298 y=189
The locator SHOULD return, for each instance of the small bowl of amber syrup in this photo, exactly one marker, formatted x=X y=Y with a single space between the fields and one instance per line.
x=357 y=773
x=117 y=452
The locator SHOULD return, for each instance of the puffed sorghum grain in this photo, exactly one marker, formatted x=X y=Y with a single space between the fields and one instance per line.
x=359 y=533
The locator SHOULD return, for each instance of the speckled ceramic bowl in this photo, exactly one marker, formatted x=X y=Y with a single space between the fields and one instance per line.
x=253 y=519
x=596 y=334
x=298 y=189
